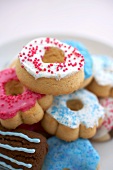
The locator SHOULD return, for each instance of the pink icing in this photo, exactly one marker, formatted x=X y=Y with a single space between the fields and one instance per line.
x=36 y=127
x=10 y=105
x=107 y=103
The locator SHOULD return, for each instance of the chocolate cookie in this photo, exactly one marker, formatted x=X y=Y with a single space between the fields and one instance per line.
x=22 y=149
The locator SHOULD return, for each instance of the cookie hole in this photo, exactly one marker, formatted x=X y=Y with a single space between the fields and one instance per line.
x=53 y=55
x=74 y=104
x=13 y=87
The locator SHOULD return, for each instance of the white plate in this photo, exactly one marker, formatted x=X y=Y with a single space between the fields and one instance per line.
x=11 y=49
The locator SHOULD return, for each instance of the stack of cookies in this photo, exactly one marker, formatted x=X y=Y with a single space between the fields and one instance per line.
x=43 y=92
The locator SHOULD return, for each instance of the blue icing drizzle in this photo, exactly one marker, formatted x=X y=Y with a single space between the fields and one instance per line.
x=77 y=155
x=88 y=115
x=35 y=140
x=88 y=67
x=15 y=161
x=5 y=146
x=7 y=166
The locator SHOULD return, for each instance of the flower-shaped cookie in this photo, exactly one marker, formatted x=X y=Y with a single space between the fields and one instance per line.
x=74 y=115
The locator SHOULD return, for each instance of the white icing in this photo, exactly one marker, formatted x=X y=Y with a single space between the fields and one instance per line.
x=66 y=69
x=15 y=161
x=103 y=70
x=88 y=115
x=5 y=146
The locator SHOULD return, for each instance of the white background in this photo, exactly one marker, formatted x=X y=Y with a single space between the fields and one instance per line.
x=90 y=18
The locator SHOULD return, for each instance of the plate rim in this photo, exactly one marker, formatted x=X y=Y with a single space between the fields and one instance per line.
x=33 y=36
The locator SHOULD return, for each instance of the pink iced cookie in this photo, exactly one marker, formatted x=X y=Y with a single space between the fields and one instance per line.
x=105 y=132
x=36 y=127
x=17 y=104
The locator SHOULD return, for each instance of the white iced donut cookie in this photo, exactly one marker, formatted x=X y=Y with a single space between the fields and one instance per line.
x=74 y=115
x=49 y=66
x=102 y=84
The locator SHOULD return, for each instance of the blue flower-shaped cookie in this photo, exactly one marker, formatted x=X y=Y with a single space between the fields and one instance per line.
x=77 y=155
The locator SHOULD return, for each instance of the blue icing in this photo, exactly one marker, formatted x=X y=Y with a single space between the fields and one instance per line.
x=103 y=69
x=76 y=155
x=88 y=59
x=88 y=115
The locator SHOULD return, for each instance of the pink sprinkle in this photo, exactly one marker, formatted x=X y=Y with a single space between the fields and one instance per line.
x=41 y=41
x=51 y=65
x=36 y=47
x=57 y=69
x=20 y=55
x=47 y=40
x=82 y=60
x=65 y=58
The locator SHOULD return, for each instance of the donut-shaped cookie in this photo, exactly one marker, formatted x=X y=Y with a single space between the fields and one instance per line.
x=88 y=66
x=50 y=67
x=17 y=104
x=73 y=116
x=102 y=84
x=77 y=155
x=105 y=132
